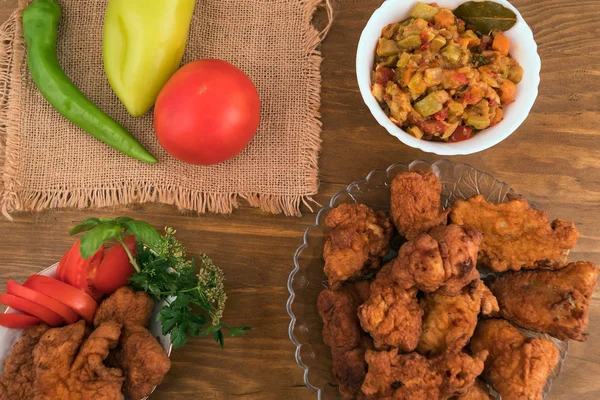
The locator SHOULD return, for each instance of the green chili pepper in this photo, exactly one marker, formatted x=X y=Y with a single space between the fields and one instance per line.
x=40 y=28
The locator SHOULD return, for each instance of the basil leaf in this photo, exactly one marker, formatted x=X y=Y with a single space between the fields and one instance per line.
x=94 y=239
x=123 y=220
x=144 y=232
x=486 y=16
x=84 y=226
x=238 y=331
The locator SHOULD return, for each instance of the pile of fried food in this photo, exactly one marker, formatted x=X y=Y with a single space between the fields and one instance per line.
x=424 y=325
x=119 y=356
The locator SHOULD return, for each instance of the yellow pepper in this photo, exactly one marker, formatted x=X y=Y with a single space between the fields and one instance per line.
x=143 y=45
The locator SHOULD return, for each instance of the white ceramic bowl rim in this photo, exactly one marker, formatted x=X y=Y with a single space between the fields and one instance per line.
x=523 y=49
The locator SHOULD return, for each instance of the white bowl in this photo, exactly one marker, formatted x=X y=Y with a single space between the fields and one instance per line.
x=523 y=49
x=8 y=337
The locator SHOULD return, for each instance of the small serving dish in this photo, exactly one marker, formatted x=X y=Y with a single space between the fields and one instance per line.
x=523 y=49
x=8 y=337
x=307 y=280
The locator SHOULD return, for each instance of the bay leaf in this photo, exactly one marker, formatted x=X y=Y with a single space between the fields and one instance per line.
x=486 y=16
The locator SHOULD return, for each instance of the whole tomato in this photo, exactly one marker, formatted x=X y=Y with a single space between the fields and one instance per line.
x=207 y=112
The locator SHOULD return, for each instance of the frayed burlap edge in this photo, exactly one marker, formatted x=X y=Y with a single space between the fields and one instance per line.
x=13 y=198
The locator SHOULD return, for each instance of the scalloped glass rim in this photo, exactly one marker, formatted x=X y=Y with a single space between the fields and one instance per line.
x=458 y=181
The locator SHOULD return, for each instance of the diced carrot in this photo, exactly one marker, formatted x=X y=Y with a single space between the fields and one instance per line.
x=501 y=43
x=407 y=75
x=444 y=18
x=507 y=92
x=497 y=117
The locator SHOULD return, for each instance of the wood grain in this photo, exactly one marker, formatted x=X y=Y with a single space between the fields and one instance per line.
x=553 y=159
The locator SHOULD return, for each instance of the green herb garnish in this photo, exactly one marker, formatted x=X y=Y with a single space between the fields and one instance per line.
x=163 y=270
x=486 y=16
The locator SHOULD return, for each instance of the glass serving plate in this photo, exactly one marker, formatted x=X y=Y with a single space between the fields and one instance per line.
x=459 y=181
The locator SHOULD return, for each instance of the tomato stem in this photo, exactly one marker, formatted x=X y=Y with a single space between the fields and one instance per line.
x=131 y=257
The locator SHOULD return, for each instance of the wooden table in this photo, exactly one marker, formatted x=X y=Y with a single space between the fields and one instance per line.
x=553 y=159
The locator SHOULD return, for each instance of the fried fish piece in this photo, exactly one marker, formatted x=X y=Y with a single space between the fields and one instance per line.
x=517 y=366
x=479 y=391
x=515 y=235
x=445 y=259
x=69 y=366
x=125 y=306
x=413 y=377
x=547 y=301
x=415 y=203
x=391 y=315
x=342 y=333
x=143 y=360
x=16 y=383
x=358 y=240
x=449 y=321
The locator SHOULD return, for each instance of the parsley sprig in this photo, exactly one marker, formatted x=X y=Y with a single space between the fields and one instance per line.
x=163 y=270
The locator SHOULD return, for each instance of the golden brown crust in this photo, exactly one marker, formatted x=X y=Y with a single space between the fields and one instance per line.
x=444 y=259
x=515 y=235
x=552 y=302
x=359 y=238
x=18 y=378
x=411 y=376
x=126 y=307
x=415 y=203
x=143 y=359
x=479 y=391
x=342 y=333
x=517 y=366
x=449 y=321
x=391 y=315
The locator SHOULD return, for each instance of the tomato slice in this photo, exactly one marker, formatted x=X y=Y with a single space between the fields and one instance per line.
x=21 y=291
x=29 y=307
x=76 y=299
x=74 y=270
x=115 y=269
x=18 y=321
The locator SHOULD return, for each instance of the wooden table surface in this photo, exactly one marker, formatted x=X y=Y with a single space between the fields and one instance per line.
x=553 y=159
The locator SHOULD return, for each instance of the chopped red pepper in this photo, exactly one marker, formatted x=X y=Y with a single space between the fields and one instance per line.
x=461 y=133
x=441 y=115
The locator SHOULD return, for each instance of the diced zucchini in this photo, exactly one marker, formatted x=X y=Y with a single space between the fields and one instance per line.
x=390 y=30
x=425 y=11
x=515 y=73
x=403 y=60
x=378 y=92
x=411 y=42
x=387 y=47
x=452 y=54
x=437 y=43
x=450 y=130
x=455 y=109
x=433 y=76
x=478 y=122
x=469 y=33
x=415 y=131
x=390 y=62
x=416 y=85
x=429 y=105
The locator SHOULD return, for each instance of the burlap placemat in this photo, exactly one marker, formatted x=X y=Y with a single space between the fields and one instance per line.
x=47 y=162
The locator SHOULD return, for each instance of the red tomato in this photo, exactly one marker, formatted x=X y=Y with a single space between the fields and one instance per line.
x=65 y=312
x=74 y=298
x=18 y=321
x=115 y=269
x=75 y=271
x=29 y=307
x=461 y=133
x=207 y=112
